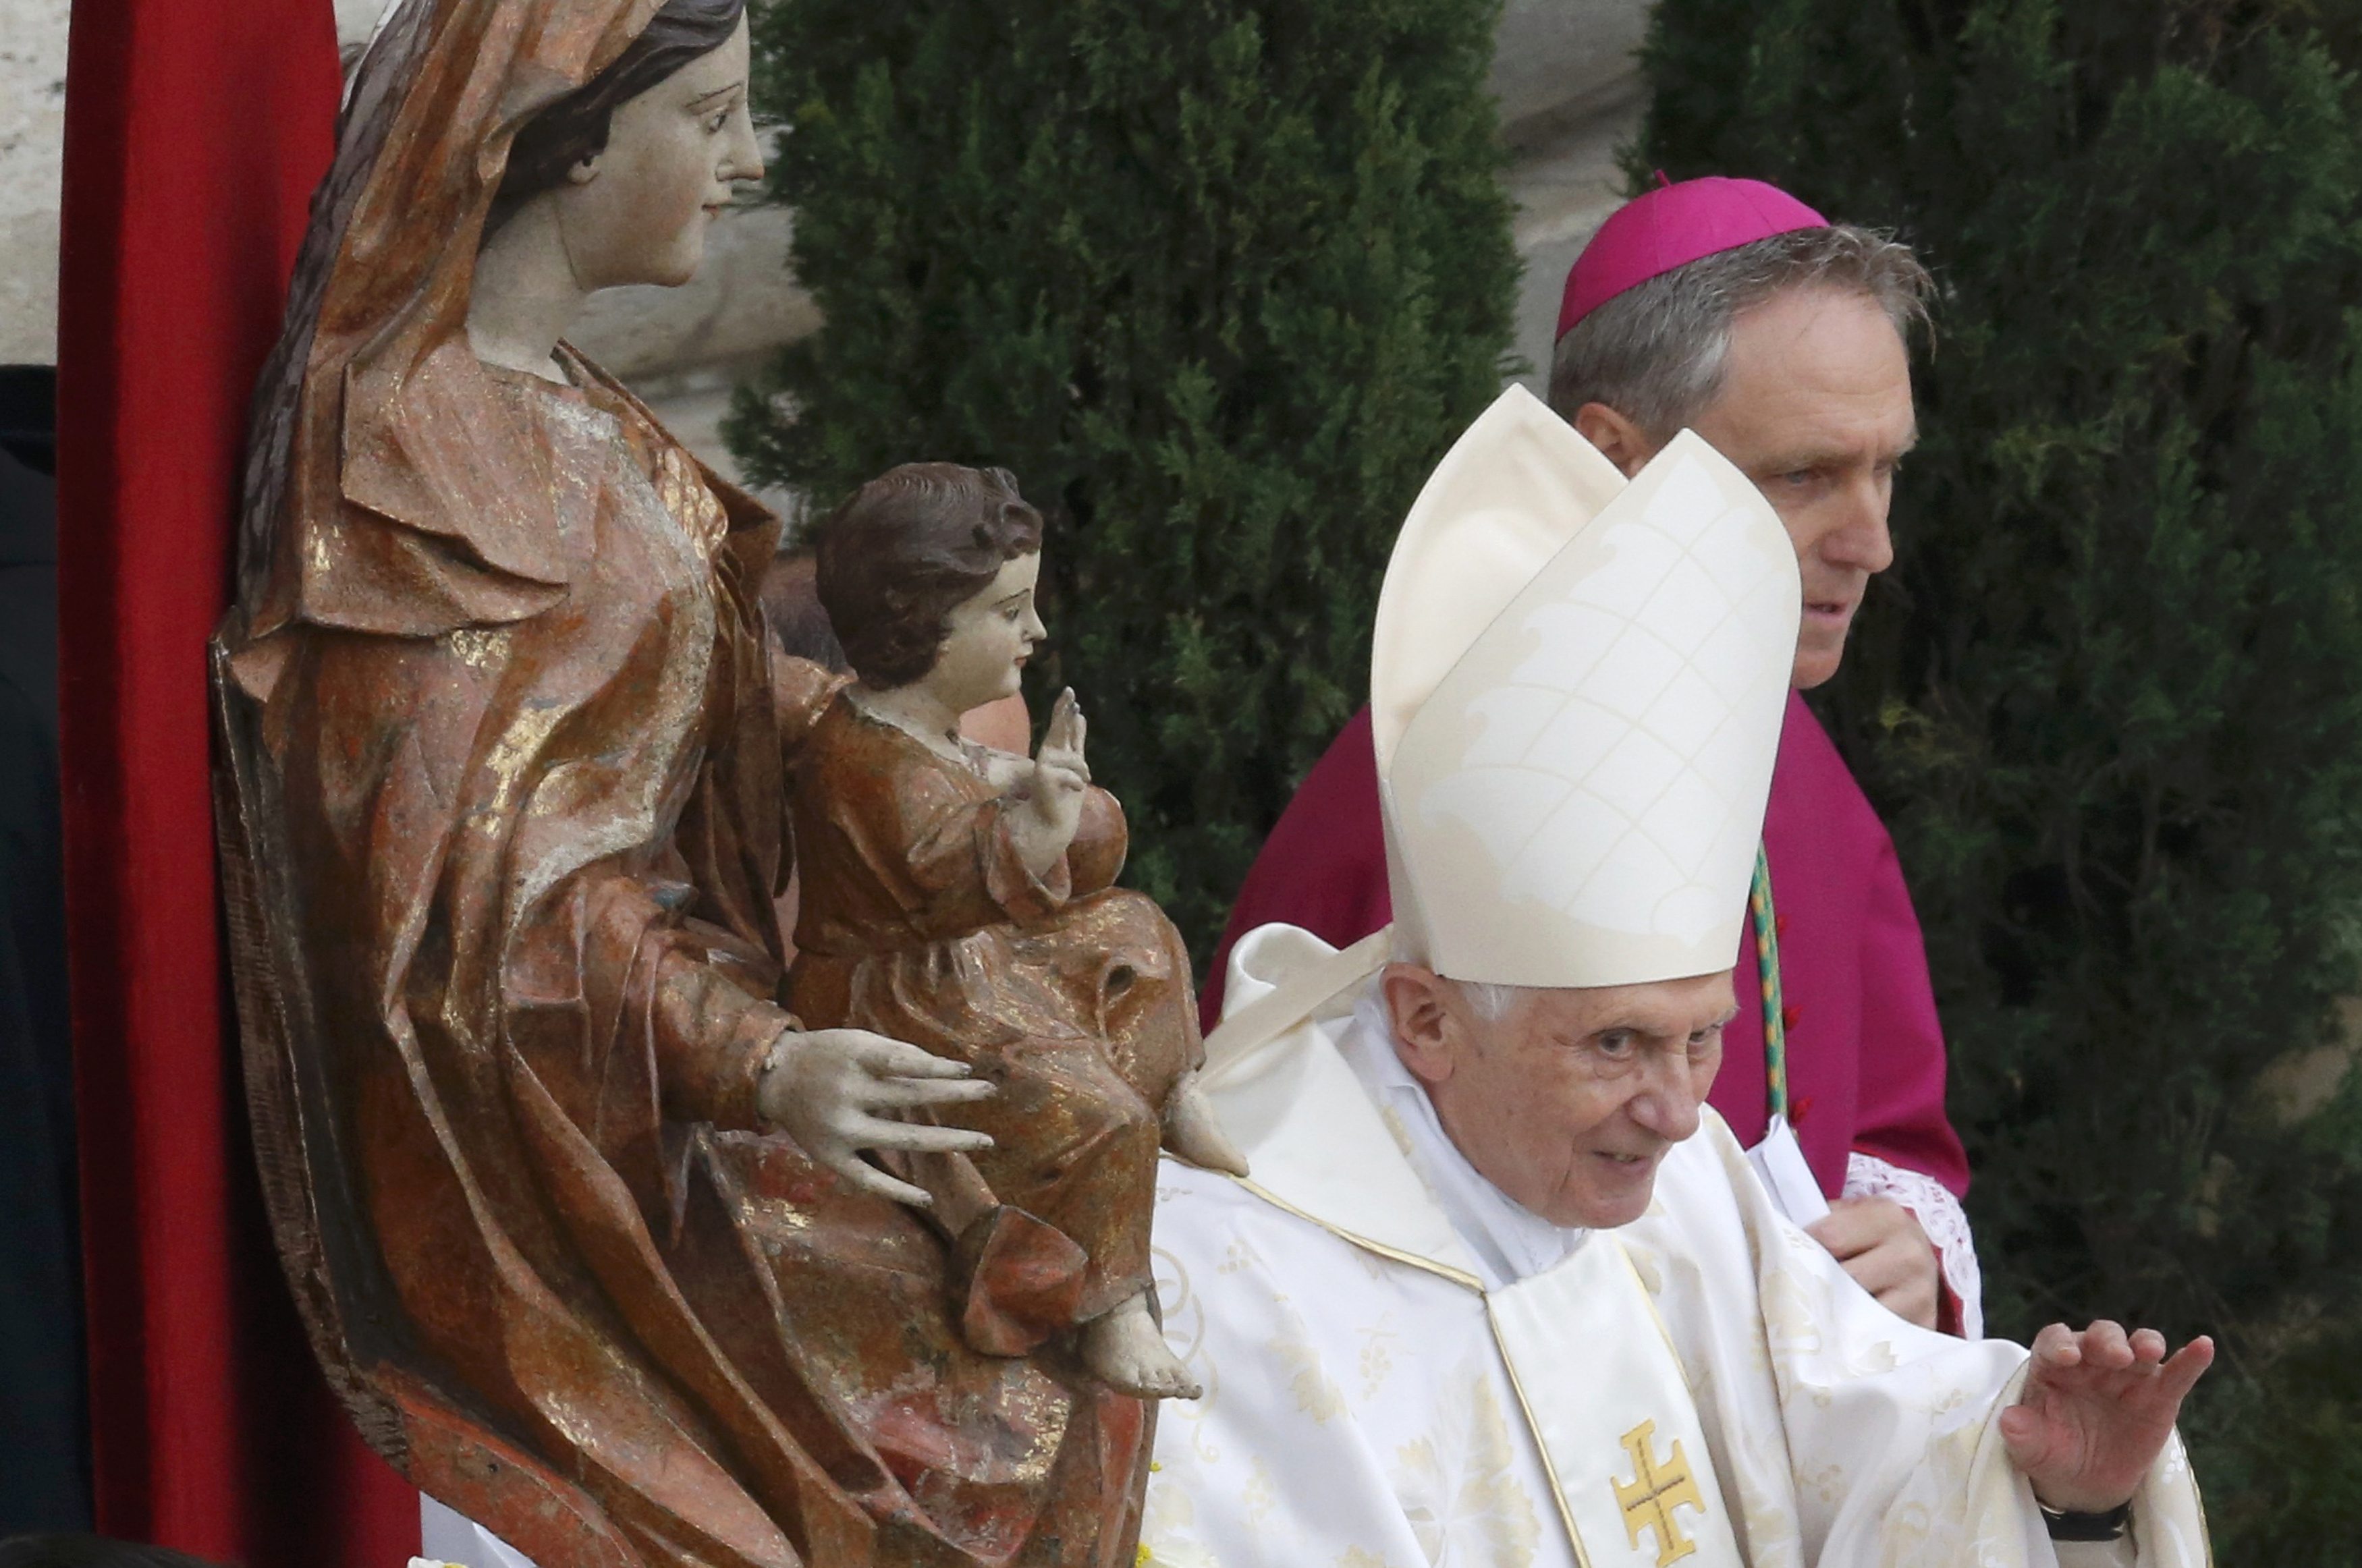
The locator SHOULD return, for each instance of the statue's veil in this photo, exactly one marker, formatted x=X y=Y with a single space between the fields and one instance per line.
x=362 y=411
x=363 y=489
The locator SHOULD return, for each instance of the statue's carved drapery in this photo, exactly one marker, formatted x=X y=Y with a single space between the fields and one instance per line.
x=919 y=920
x=503 y=758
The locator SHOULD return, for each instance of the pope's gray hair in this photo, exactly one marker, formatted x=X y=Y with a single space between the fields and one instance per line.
x=1490 y=1001
x=1657 y=352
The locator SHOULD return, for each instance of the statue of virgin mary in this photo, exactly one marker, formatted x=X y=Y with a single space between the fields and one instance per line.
x=573 y=1207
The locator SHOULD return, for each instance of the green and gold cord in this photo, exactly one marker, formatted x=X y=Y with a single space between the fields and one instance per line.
x=1767 y=966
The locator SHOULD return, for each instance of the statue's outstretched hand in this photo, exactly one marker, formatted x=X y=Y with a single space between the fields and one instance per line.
x=1055 y=788
x=2096 y=1411
x=825 y=1089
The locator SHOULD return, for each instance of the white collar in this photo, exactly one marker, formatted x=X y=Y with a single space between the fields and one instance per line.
x=1509 y=1242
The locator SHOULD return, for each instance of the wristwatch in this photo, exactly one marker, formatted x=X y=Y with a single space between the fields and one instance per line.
x=2065 y=1525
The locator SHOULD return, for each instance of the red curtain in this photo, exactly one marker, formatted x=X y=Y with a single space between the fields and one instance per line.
x=195 y=131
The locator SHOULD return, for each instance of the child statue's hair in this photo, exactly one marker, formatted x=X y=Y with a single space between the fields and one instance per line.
x=905 y=550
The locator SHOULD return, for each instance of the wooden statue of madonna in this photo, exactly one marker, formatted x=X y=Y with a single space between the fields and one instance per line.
x=591 y=1232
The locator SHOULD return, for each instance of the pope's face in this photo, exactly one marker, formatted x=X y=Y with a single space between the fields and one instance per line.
x=988 y=637
x=1815 y=408
x=638 y=211
x=1570 y=1102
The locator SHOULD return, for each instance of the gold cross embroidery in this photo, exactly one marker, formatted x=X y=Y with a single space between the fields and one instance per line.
x=1650 y=1499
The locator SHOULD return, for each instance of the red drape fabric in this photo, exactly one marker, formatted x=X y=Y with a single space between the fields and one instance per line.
x=195 y=131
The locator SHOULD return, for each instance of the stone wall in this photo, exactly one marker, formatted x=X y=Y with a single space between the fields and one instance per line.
x=1569 y=97
x=1561 y=61
x=32 y=150
x=1564 y=72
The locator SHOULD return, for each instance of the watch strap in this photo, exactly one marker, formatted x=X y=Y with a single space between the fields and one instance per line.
x=2064 y=1525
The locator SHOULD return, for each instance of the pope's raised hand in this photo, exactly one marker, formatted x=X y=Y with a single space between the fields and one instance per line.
x=2096 y=1411
x=825 y=1089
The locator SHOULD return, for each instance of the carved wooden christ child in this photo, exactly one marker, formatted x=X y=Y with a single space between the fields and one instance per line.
x=504 y=803
x=961 y=899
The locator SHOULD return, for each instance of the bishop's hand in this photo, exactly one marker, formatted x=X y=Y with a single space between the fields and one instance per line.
x=2096 y=1411
x=826 y=1089
x=1878 y=1241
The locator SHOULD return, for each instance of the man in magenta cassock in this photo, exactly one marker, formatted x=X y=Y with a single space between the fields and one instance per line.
x=1729 y=307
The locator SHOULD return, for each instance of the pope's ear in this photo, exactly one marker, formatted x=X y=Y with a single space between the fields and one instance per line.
x=1423 y=1026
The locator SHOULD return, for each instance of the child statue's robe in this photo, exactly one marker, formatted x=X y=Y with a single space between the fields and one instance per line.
x=919 y=920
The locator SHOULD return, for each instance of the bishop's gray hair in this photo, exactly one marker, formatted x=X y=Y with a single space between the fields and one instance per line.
x=1657 y=352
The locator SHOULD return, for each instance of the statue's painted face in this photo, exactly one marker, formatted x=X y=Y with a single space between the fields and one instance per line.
x=637 y=212
x=1569 y=1104
x=988 y=637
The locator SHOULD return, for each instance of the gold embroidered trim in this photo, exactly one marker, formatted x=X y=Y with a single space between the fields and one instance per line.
x=1457 y=1276
x=1534 y=1430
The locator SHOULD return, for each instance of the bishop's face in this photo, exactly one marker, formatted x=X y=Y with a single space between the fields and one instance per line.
x=1569 y=1104
x=1815 y=408
x=637 y=211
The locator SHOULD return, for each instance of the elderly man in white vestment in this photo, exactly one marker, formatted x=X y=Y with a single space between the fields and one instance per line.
x=1501 y=1289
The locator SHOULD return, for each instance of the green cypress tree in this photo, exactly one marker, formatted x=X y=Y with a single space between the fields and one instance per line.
x=1218 y=279
x=2110 y=698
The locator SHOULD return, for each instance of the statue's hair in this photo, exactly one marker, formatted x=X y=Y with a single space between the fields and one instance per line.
x=575 y=128
x=906 y=549
x=1657 y=353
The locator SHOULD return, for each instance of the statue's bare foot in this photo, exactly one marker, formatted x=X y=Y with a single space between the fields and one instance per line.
x=1191 y=1132
x=1127 y=1351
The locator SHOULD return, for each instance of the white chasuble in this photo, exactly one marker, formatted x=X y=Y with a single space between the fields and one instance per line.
x=1402 y=1367
x=1605 y=1398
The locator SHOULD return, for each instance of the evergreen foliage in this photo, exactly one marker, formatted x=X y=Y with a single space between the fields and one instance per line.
x=1218 y=279
x=2109 y=698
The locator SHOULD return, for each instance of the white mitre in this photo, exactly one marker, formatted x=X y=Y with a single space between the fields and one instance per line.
x=1576 y=692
